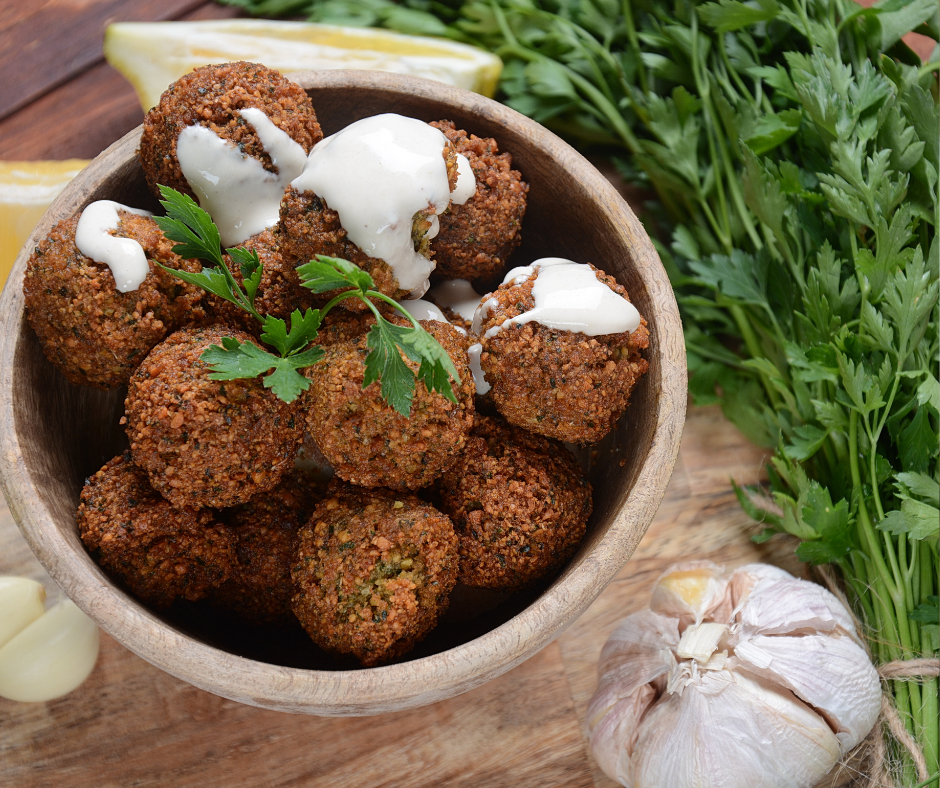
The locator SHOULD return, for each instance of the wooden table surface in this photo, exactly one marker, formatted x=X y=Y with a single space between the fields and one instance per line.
x=131 y=724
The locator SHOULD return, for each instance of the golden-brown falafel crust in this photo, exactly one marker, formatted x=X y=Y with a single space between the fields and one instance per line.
x=476 y=238
x=373 y=573
x=265 y=530
x=94 y=334
x=160 y=553
x=211 y=96
x=562 y=384
x=369 y=443
x=519 y=503
x=207 y=442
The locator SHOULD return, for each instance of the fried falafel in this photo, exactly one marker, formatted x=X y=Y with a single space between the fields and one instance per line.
x=477 y=238
x=260 y=589
x=207 y=442
x=212 y=96
x=562 y=384
x=160 y=553
x=309 y=227
x=373 y=572
x=519 y=503
x=95 y=334
x=366 y=440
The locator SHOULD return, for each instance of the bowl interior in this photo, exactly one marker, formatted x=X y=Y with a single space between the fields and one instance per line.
x=64 y=433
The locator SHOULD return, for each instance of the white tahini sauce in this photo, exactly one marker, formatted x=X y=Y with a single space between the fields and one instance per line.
x=568 y=297
x=377 y=173
x=420 y=309
x=457 y=294
x=466 y=181
x=124 y=256
x=479 y=380
x=481 y=313
x=241 y=196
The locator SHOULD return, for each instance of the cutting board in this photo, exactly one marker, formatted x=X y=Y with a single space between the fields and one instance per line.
x=130 y=724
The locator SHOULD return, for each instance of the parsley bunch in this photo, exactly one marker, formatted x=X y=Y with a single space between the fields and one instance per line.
x=198 y=237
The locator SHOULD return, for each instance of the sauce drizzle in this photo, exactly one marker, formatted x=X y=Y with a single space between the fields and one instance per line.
x=124 y=256
x=241 y=196
x=568 y=297
x=377 y=173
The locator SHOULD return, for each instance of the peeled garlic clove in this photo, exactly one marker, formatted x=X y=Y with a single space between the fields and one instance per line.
x=22 y=601
x=50 y=657
x=790 y=606
x=832 y=674
x=691 y=592
x=729 y=730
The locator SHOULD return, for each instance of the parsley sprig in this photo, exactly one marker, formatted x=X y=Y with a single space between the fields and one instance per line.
x=384 y=362
x=198 y=237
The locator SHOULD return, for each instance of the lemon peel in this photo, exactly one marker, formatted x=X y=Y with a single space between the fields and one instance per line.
x=26 y=190
x=151 y=55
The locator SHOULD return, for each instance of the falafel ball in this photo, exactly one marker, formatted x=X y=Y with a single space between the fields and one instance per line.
x=373 y=572
x=260 y=589
x=309 y=227
x=476 y=238
x=519 y=503
x=212 y=96
x=159 y=552
x=207 y=442
x=562 y=384
x=94 y=334
x=366 y=440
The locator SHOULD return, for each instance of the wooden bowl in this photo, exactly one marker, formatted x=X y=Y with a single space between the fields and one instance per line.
x=53 y=435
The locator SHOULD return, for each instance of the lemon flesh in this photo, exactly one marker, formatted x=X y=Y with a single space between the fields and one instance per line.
x=26 y=190
x=151 y=55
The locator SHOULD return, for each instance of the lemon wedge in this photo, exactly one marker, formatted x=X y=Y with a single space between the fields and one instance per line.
x=151 y=55
x=26 y=189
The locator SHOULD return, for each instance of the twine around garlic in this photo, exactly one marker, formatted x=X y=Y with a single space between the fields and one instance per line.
x=732 y=680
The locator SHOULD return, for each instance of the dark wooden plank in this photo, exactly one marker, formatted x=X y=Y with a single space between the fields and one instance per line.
x=13 y=12
x=80 y=118
x=56 y=40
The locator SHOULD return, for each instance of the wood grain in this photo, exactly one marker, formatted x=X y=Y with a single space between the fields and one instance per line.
x=45 y=44
x=132 y=724
x=85 y=114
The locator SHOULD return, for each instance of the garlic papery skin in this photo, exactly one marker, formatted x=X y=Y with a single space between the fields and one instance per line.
x=50 y=657
x=22 y=601
x=726 y=729
x=831 y=674
x=745 y=679
x=638 y=652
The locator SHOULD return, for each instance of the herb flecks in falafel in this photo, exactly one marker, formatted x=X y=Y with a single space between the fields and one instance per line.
x=197 y=236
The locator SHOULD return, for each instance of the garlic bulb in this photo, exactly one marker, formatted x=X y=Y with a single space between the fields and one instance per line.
x=748 y=679
x=43 y=654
